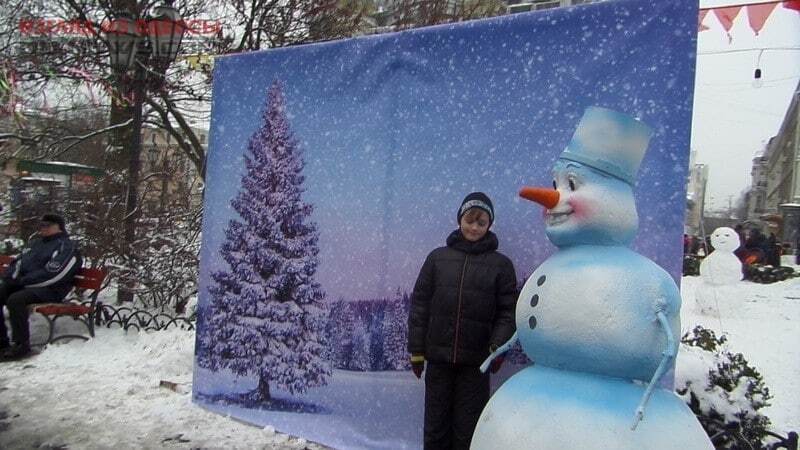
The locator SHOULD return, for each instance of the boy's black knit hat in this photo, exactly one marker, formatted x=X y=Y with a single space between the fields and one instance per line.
x=476 y=200
x=54 y=218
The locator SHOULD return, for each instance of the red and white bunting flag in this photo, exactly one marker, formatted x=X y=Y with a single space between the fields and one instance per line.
x=727 y=15
x=702 y=15
x=758 y=14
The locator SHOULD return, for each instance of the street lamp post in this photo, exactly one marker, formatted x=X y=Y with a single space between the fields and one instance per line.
x=139 y=57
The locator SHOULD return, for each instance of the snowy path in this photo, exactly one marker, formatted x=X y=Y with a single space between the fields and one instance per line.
x=105 y=393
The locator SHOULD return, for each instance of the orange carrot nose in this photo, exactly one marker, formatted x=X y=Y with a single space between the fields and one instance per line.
x=543 y=196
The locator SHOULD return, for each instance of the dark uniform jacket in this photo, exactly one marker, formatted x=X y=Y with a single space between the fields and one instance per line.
x=463 y=302
x=48 y=262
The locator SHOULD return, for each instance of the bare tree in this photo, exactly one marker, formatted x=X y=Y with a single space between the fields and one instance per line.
x=49 y=72
x=417 y=13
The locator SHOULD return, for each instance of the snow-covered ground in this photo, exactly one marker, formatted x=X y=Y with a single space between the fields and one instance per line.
x=351 y=411
x=761 y=322
x=105 y=393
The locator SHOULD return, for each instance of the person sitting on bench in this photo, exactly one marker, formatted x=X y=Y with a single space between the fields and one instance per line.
x=43 y=273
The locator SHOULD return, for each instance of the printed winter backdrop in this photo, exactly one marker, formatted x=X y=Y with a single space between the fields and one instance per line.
x=335 y=168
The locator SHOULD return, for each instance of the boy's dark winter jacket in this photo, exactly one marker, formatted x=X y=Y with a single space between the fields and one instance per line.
x=50 y=262
x=463 y=302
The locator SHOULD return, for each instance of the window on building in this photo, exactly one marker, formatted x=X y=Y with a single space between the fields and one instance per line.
x=520 y=7
x=547 y=5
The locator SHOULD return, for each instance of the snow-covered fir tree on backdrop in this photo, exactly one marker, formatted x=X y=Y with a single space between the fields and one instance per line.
x=395 y=333
x=368 y=335
x=266 y=315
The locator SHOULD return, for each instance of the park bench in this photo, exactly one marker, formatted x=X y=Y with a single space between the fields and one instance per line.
x=81 y=311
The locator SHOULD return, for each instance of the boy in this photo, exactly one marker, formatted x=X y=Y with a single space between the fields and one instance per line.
x=462 y=309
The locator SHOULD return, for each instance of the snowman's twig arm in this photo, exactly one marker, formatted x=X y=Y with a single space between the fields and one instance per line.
x=667 y=356
x=500 y=350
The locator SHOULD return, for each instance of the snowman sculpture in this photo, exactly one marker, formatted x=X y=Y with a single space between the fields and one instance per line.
x=600 y=321
x=719 y=270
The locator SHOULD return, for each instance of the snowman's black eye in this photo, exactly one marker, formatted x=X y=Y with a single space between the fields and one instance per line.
x=554 y=185
x=571 y=185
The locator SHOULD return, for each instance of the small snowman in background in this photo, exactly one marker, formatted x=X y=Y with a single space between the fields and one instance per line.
x=720 y=269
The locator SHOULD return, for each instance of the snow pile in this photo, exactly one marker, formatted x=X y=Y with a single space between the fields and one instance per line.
x=758 y=321
x=723 y=388
x=106 y=393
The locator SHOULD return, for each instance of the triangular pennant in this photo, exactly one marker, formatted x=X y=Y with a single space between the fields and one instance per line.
x=792 y=4
x=702 y=15
x=727 y=15
x=758 y=14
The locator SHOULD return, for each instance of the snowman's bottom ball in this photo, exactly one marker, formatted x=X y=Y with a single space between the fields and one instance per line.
x=544 y=408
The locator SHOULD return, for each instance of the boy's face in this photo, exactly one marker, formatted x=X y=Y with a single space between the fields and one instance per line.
x=474 y=224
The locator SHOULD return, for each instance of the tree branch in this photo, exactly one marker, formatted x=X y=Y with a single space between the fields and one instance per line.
x=79 y=139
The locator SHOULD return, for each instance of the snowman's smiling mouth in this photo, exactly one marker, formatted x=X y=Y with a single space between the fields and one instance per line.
x=557 y=217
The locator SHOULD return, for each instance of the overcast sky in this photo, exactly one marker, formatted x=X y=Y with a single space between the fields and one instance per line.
x=733 y=120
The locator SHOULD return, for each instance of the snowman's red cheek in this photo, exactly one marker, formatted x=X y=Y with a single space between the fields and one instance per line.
x=581 y=208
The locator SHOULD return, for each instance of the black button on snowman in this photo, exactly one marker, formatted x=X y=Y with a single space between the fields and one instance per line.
x=535 y=301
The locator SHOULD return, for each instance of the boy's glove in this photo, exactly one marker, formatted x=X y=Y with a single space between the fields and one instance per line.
x=498 y=361
x=417 y=365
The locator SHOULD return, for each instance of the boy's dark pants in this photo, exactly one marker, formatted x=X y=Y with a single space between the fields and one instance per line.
x=454 y=398
x=17 y=298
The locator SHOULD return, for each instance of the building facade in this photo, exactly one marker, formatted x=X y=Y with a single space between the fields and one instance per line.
x=775 y=190
x=168 y=177
x=29 y=189
x=757 y=195
x=387 y=14
x=695 y=196
x=516 y=6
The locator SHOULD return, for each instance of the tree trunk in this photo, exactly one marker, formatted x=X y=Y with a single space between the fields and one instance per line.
x=127 y=280
x=128 y=141
x=262 y=391
x=257 y=396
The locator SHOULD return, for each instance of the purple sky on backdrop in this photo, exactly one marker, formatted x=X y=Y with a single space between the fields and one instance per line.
x=397 y=128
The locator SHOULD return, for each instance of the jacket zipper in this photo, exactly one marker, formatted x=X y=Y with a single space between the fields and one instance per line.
x=458 y=313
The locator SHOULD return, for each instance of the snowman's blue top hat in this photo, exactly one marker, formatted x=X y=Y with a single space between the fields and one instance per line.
x=609 y=141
